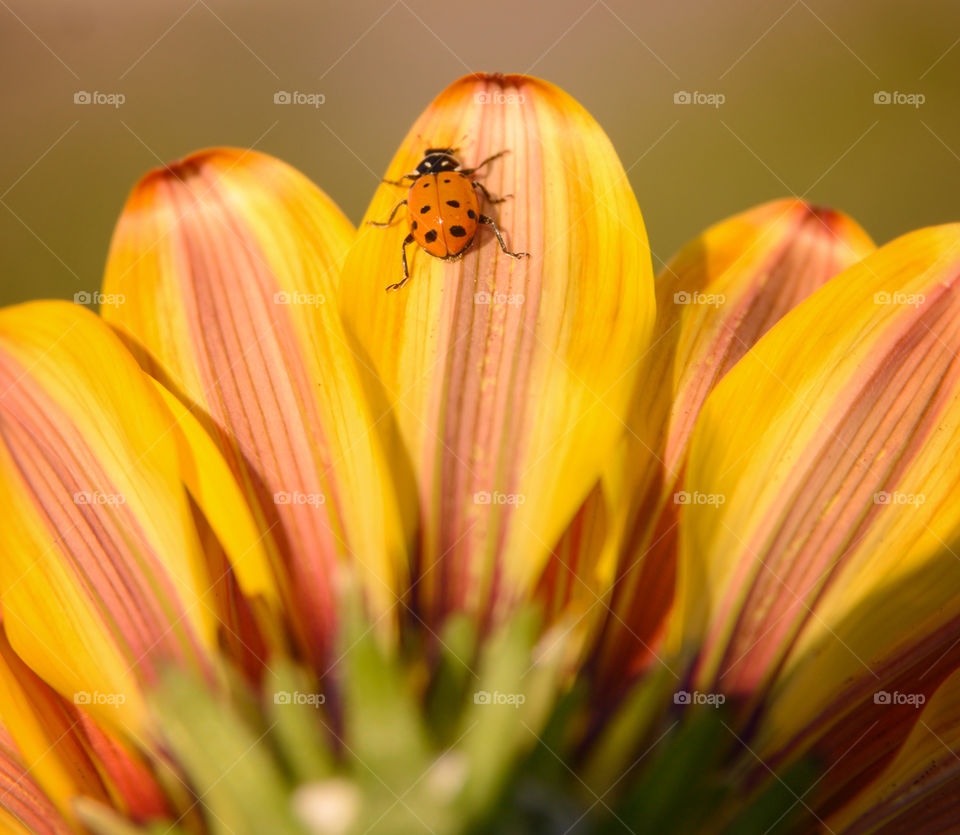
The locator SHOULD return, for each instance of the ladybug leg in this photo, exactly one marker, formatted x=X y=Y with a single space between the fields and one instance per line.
x=401 y=182
x=489 y=221
x=469 y=171
x=403 y=257
x=488 y=196
x=389 y=220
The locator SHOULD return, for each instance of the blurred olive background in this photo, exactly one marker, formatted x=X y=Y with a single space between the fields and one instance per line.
x=799 y=79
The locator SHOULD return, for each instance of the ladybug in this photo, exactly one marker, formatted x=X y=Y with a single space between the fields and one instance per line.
x=443 y=210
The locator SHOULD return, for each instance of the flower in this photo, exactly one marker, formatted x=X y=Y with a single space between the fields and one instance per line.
x=285 y=552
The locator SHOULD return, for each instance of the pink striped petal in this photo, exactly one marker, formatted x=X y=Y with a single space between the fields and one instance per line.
x=508 y=378
x=228 y=264
x=917 y=791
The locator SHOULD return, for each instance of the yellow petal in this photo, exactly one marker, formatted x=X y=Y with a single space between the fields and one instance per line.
x=885 y=630
x=917 y=791
x=24 y=808
x=103 y=578
x=227 y=264
x=715 y=299
x=40 y=734
x=63 y=753
x=212 y=486
x=815 y=568
x=509 y=379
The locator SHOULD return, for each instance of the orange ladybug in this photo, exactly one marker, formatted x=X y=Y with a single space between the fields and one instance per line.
x=443 y=211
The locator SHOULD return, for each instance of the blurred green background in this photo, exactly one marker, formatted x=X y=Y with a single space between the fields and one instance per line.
x=799 y=79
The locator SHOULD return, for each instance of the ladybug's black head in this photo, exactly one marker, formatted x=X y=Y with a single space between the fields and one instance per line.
x=436 y=160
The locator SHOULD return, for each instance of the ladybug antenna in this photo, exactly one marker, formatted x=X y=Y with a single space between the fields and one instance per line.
x=444 y=149
x=424 y=144
x=460 y=141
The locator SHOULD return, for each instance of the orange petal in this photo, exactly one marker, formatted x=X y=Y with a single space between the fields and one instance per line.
x=715 y=300
x=821 y=572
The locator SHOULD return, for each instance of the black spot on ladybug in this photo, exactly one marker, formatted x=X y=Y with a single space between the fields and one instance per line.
x=426 y=185
x=413 y=225
x=454 y=203
x=471 y=214
x=458 y=231
x=431 y=236
x=447 y=180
